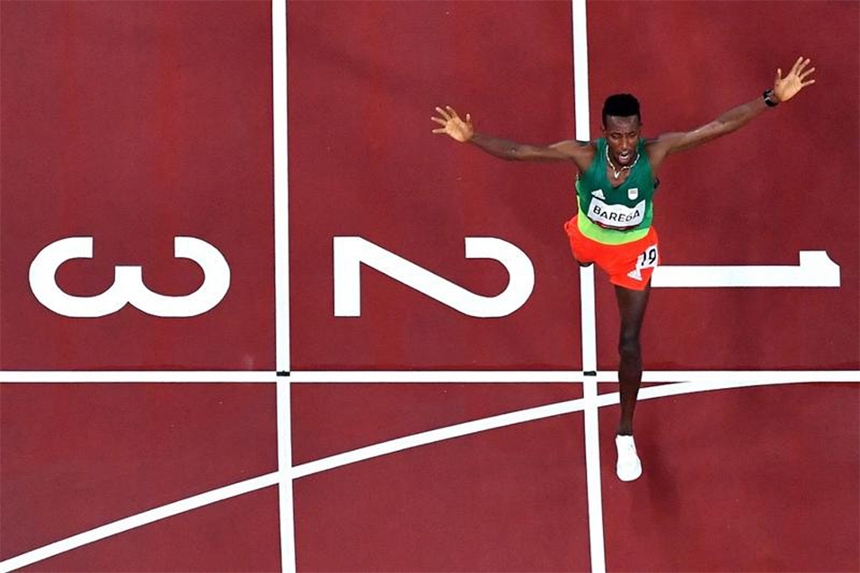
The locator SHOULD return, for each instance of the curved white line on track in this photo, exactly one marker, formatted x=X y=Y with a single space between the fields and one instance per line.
x=699 y=386
x=139 y=520
x=339 y=460
x=437 y=435
x=519 y=417
x=389 y=447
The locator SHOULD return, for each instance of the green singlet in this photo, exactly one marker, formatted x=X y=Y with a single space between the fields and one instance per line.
x=615 y=215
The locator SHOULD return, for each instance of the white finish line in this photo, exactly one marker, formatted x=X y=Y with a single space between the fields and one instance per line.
x=421 y=377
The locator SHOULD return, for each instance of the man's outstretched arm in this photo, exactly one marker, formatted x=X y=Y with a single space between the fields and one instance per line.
x=783 y=90
x=463 y=131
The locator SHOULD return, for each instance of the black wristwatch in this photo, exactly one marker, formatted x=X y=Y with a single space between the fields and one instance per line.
x=768 y=98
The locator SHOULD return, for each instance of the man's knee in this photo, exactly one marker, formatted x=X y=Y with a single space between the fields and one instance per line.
x=629 y=347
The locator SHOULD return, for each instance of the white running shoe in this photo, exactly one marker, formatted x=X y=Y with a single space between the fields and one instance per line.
x=628 y=467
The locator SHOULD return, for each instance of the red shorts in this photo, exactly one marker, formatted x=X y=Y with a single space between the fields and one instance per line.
x=629 y=265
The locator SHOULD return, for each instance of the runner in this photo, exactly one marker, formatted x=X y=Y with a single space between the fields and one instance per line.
x=613 y=225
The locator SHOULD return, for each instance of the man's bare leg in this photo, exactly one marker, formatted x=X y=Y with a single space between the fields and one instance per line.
x=631 y=305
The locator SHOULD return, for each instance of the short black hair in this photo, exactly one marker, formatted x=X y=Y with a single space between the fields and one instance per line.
x=622 y=105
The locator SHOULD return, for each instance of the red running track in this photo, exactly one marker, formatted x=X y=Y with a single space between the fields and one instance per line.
x=137 y=122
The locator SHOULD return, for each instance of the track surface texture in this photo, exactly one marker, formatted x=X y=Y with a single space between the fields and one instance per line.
x=415 y=436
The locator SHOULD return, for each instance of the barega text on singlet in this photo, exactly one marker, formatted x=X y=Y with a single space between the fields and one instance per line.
x=616 y=216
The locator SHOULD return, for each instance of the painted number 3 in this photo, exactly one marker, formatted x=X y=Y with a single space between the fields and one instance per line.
x=128 y=286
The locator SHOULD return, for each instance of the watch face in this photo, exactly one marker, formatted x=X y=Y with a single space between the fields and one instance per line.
x=767 y=96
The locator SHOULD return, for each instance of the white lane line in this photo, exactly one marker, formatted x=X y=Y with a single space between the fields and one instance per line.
x=436 y=376
x=125 y=376
x=437 y=435
x=581 y=107
x=285 y=486
x=138 y=520
x=416 y=377
x=282 y=280
x=588 y=312
x=592 y=476
x=556 y=376
x=588 y=319
x=282 y=185
x=583 y=133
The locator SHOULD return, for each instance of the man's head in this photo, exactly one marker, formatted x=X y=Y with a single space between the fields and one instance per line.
x=621 y=127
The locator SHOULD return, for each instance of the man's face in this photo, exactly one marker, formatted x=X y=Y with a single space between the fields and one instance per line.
x=622 y=136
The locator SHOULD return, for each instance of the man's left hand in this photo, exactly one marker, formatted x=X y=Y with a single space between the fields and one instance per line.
x=785 y=88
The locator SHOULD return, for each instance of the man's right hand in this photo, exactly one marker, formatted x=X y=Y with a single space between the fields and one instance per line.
x=451 y=124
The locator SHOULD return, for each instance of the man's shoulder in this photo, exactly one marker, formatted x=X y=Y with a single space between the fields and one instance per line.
x=580 y=152
x=577 y=145
x=657 y=148
x=665 y=141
